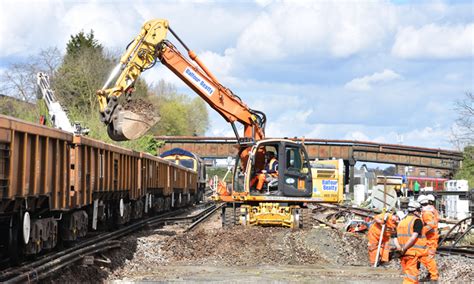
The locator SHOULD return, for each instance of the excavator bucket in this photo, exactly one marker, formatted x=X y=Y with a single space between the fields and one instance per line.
x=128 y=125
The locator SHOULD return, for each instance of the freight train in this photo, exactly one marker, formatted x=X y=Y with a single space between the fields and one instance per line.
x=56 y=186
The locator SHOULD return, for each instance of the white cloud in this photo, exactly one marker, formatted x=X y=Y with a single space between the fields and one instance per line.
x=435 y=41
x=220 y=65
x=297 y=61
x=453 y=76
x=263 y=3
x=356 y=135
x=435 y=136
x=338 y=29
x=25 y=25
x=365 y=83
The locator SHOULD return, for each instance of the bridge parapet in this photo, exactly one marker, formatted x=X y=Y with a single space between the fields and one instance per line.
x=349 y=150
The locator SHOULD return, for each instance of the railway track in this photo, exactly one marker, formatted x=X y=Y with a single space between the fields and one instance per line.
x=324 y=213
x=48 y=264
x=467 y=251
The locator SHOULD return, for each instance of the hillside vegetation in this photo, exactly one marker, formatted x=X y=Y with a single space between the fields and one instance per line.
x=77 y=75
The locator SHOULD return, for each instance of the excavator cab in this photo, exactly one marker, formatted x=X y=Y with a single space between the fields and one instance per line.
x=293 y=177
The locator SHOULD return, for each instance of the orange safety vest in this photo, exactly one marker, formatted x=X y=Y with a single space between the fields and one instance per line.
x=376 y=228
x=430 y=217
x=404 y=232
x=270 y=167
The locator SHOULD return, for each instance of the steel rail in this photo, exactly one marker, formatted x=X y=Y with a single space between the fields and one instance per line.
x=51 y=263
x=463 y=251
x=40 y=272
x=111 y=235
x=207 y=214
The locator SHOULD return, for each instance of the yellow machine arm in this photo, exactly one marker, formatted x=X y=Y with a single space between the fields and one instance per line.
x=148 y=47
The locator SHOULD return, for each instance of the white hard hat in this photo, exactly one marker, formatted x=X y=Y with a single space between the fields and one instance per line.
x=423 y=199
x=413 y=206
x=430 y=197
x=401 y=214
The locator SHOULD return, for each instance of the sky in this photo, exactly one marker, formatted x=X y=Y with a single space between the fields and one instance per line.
x=382 y=71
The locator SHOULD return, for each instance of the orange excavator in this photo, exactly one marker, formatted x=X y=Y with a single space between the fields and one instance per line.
x=282 y=202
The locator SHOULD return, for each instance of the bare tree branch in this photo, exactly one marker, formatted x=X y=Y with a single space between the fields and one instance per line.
x=463 y=132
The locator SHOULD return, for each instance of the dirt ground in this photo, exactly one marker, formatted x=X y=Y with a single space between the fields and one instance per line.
x=139 y=106
x=247 y=255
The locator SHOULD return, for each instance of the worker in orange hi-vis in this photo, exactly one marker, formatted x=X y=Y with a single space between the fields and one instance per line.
x=411 y=242
x=375 y=231
x=269 y=174
x=430 y=218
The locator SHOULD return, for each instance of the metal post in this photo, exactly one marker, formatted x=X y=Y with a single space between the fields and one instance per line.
x=346 y=171
x=351 y=179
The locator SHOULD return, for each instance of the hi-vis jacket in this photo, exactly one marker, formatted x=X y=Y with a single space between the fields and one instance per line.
x=404 y=232
x=272 y=167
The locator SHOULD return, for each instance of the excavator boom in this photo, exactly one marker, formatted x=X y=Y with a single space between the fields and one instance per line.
x=142 y=53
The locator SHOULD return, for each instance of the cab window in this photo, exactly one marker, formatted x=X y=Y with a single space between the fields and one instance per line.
x=296 y=160
x=293 y=158
x=187 y=163
x=239 y=178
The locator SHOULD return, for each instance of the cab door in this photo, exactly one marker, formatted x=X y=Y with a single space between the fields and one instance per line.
x=295 y=178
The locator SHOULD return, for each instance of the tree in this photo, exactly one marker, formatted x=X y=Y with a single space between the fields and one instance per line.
x=180 y=115
x=20 y=109
x=79 y=77
x=390 y=171
x=80 y=42
x=19 y=79
x=85 y=68
x=198 y=118
x=467 y=169
x=463 y=132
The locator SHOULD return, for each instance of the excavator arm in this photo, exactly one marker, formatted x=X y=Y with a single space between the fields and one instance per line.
x=141 y=54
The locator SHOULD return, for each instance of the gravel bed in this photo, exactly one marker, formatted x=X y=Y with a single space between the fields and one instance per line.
x=170 y=254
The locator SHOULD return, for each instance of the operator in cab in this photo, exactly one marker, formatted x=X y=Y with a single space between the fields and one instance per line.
x=269 y=175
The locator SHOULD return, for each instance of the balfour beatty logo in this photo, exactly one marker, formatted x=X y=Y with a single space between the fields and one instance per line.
x=329 y=185
x=198 y=81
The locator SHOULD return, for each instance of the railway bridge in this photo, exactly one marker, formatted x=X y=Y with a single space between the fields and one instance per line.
x=351 y=151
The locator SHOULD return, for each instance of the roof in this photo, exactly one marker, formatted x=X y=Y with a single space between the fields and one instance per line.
x=177 y=151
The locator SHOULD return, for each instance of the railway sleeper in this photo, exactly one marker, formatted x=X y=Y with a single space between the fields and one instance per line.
x=307 y=220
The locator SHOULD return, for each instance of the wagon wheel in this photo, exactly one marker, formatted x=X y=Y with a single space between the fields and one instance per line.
x=13 y=237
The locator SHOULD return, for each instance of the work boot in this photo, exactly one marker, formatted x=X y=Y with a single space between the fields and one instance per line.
x=427 y=279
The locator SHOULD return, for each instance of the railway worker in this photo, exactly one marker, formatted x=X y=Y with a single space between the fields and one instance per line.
x=375 y=231
x=411 y=242
x=430 y=218
x=269 y=174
